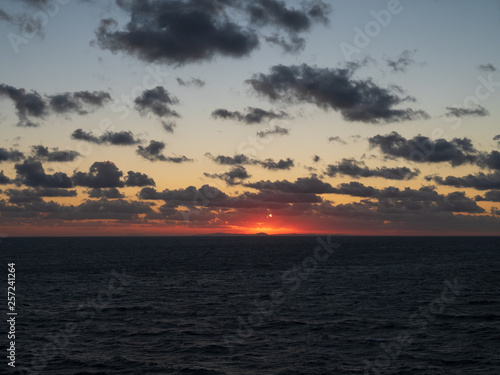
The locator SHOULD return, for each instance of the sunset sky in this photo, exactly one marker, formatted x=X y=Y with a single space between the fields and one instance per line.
x=177 y=117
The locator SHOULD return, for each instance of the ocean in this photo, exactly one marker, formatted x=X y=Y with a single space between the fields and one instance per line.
x=254 y=305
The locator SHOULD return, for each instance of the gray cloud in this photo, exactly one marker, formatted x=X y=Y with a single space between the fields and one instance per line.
x=31 y=173
x=42 y=153
x=191 y=82
x=138 y=179
x=422 y=149
x=277 y=130
x=122 y=138
x=35 y=195
x=80 y=102
x=490 y=196
x=337 y=89
x=154 y=152
x=112 y=193
x=28 y=104
x=478 y=111
x=235 y=176
x=4 y=180
x=353 y=168
x=337 y=139
x=479 y=181
x=157 y=101
x=186 y=31
x=10 y=155
x=101 y=175
x=241 y=159
x=402 y=62
x=252 y=115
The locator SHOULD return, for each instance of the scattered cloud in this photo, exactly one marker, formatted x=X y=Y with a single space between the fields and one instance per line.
x=252 y=115
x=235 y=176
x=241 y=159
x=138 y=179
x=478 y=111
x=337 y=139
x=277 y=130
x=10 y=155
x=356 y=169
x=42 y=153
x=196 y=82
x=122 y=138
x=153 y=152
x=337 y=89
x=201 y=30
x=157 y=101
x=31 y=173
x=112 y=193
x=80 y=102
x=101 y=175
x=401 y=63
x=422 y=149
x=489 y=196
x=478 y=181
x=32 y=107
x=28 y=105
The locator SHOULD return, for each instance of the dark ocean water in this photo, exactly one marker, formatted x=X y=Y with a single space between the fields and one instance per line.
x=255 y=305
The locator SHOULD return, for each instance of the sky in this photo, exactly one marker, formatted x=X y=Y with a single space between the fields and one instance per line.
x=187 y=117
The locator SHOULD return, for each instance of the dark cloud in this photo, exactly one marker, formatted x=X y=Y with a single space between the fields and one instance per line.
x=277 y=130
x=157 y=101
x=138 y=179
x=230 y=160
x=101 y=175
x=337 y=89
x=4 y=179
x=243 y=159
x=479 y=111
x=353 y=168
x=154 y=152
x=479 y=181
x=252 y=115
x=487 y=68
x=35 y=195
x=81 y=102
x=337 y=139
x=122 y=138
x=491 y=160
x=279 y=165
x=112 y=193
x=306 y=185
x=179 y=32
x=355 y=189
x=31 y=105
x=316 y=158
x=31 y=173
x=42 y=153
x=402 y=62
x=192 y=82
x=189 y=196
x=10 y=155
x=28 y=104
x=490 y=196
x=235 y=176
x=425 y=193
x=422 y=149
